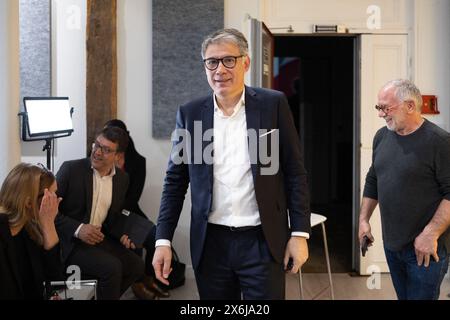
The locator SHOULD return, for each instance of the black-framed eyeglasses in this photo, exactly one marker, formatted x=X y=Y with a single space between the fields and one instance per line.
x=228 y=62
x=104 y=149
x=386 y=109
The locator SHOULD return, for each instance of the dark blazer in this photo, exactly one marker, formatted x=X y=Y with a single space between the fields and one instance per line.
x=136 y=168
x=275 y=194
x=75 y=186
x=46 y=265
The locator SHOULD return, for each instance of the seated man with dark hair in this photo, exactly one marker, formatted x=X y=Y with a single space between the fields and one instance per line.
x=93 y=193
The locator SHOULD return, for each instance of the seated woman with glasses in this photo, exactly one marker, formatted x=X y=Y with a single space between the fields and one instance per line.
x=29 y=245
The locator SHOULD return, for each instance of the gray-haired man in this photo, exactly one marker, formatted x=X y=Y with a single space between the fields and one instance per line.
x=410 y=180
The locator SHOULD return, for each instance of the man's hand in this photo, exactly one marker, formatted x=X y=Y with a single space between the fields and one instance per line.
x=425 y=245
x=162 y=263
x=368 y=205
x=127 y=243
x=365 y=230
x=91 y=234
x=297 y=249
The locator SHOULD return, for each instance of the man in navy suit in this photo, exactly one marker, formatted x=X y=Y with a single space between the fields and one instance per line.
x=240 y=152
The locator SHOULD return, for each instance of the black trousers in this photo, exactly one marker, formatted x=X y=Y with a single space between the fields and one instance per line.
x=238 y=264
x=149 y=246
x=114 y=266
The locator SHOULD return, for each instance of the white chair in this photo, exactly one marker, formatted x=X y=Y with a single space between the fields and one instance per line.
x=317 y=219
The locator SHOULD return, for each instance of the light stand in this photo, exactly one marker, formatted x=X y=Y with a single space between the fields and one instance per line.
x=48 y=147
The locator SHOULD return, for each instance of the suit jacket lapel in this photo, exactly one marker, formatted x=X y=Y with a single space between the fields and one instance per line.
x=207 y=123
x=115 y=191
x=88 y=180
x=252 y=114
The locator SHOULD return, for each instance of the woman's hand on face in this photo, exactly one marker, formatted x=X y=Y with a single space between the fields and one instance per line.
x=49 y=207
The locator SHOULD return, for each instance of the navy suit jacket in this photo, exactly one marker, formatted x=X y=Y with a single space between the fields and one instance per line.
x=282 y=198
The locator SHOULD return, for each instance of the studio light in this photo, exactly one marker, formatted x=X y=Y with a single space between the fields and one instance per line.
x=46 y=118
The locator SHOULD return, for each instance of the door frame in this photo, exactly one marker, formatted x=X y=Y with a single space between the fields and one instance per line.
x=356 y=263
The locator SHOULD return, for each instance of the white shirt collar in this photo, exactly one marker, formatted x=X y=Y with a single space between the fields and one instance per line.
x=111 y=174
x=237 y=107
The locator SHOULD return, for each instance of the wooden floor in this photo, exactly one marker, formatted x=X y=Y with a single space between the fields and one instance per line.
x=315 y=286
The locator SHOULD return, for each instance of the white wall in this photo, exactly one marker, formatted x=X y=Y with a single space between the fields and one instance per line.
x=68 y=76
x=432 y=54
x=69 y=72
x=353 y=14
x=9 y=86
x=134 y=43
x=237 y=12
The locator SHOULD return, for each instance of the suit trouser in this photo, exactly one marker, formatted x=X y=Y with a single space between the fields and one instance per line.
x=114 y=266
x=238 y=264
x=149 y=246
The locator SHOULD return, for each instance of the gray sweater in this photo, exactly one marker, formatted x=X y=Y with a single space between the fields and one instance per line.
x=409 y=176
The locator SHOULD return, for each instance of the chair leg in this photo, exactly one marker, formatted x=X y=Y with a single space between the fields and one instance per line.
x=328 y=260
x=300 y=283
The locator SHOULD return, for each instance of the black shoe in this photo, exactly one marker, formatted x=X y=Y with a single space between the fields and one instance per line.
x=152 y=285
x=142 y=293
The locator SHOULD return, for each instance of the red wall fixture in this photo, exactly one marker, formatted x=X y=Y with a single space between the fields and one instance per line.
x=430 y=105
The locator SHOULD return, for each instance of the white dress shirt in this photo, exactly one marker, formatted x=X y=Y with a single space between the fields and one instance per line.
x=101 y=198
x=234 y=200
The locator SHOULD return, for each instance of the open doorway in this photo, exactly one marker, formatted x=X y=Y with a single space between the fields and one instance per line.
x=317 y=75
